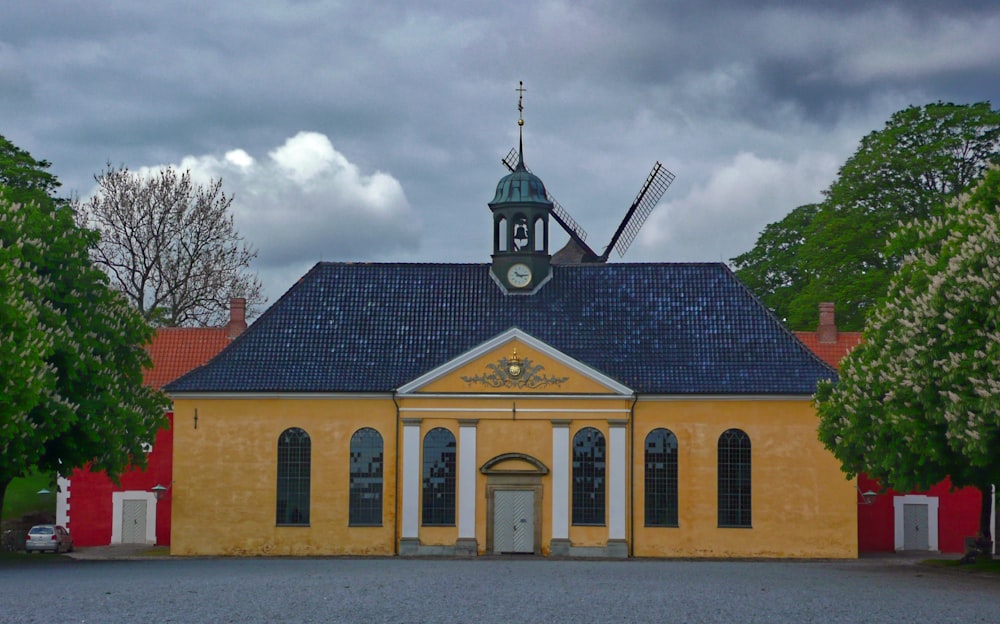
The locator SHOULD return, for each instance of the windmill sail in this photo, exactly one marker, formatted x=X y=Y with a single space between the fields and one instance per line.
x=656 y=185
x=568 y=223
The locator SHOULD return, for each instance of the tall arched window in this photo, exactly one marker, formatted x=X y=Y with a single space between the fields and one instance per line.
x=734 y=479
x=439 y=478
x=661 y=478
x=294 y=466
x=588 y=476
x=366 y=478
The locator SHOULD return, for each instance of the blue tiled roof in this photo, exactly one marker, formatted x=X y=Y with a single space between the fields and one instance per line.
x=656 y=328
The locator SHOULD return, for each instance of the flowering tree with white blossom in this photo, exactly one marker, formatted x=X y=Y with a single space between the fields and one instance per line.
x=919 y=399
x=71 y=347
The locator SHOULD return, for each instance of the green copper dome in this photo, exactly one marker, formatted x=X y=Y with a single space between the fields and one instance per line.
x=520 y=186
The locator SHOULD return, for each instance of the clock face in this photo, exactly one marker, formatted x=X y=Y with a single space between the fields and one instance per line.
x=519 y=275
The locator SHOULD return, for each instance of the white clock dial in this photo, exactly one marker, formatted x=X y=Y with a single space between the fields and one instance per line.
x=519 y=275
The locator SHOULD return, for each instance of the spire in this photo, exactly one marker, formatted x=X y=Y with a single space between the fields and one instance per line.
x=520 y=125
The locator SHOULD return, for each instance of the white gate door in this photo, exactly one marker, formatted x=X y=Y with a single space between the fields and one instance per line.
x=915 y=535
x=133 y=522
x=513 y=521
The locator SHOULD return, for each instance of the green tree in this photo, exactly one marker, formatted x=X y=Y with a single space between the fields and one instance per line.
x=773 y=269
x=922 y=159
x=25 y=178
x=71 y=351
x=919 y=399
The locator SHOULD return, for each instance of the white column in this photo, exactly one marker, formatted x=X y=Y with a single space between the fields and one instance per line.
x=560 y=479
x=411 y=478
x=467 y=479
x=993 y=517
x=62 y=501
x=616 y=481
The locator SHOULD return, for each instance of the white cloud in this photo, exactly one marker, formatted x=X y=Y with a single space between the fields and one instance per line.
x=305 y=202
x=309 y=154
x=723 y=217
x=239 y=158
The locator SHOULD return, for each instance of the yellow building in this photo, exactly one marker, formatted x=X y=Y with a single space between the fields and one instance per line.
x=515 y=406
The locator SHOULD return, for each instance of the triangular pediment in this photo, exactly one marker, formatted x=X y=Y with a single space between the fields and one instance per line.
x=514 y=362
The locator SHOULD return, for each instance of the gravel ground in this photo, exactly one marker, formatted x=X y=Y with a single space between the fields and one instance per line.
x=51 y=589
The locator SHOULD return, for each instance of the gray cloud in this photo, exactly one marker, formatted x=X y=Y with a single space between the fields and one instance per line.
x=752 y=105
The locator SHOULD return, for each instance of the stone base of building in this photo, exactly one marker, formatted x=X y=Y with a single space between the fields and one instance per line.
x=617 y=549
x=411 y=547
x=408 y=546
x=466 y=547
x=559 y=548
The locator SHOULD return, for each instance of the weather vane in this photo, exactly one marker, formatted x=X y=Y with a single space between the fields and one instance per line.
x=520 y=103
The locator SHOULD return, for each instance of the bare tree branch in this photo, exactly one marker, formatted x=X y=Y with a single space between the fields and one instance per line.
x=171 y=246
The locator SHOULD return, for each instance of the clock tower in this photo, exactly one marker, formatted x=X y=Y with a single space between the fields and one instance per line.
x=521 y=207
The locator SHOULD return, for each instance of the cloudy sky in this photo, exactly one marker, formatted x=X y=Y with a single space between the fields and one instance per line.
x=373 y=131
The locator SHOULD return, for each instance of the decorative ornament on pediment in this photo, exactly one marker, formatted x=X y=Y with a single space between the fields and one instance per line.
x=515 y=372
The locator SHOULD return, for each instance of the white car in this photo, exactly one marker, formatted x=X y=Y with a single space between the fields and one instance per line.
x=51 y=537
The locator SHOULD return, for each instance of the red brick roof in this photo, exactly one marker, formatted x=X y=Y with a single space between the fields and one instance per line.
x=177 y=350
x=830 y=352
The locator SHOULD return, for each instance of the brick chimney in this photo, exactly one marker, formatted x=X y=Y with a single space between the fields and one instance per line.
x=827 y=330
x=237 y=317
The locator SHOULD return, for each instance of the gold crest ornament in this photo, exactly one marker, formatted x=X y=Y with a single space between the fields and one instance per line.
x=514 y=365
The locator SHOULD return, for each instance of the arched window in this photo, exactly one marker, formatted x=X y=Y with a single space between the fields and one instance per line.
x=439 y=478
x=734 y=479
x=588 y=477
x=366 y=478
x=500 y=242
x=661 y=478
x=294 y=466
x=541 y=235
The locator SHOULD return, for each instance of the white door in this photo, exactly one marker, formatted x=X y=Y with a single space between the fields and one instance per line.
x=514 y=521
x=133 y=522
x=915 y=528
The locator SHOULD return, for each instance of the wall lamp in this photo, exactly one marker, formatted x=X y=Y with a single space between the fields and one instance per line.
x=867 y=498
x=161 y=492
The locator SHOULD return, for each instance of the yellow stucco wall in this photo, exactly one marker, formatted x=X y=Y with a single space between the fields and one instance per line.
x=225 y=469
x=802 y=506
x=224 y=489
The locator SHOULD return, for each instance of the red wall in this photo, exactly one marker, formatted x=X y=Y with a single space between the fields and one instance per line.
x=90 y=506
x=958 y=517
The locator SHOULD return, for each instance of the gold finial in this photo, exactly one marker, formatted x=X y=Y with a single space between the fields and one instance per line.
x=520 y=124
x=520 y=102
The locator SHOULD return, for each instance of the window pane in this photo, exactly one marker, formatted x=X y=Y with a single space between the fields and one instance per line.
x=366 y=477
x=734 y=479
x=661 y=478
x=294 y=456
x=588 y=477
x=439 y=478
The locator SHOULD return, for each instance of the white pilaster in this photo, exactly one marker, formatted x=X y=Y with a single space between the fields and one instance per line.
x=560 y=479
x=616 y=481
x=62 y=501
x=467 y=480
x=411 y=479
